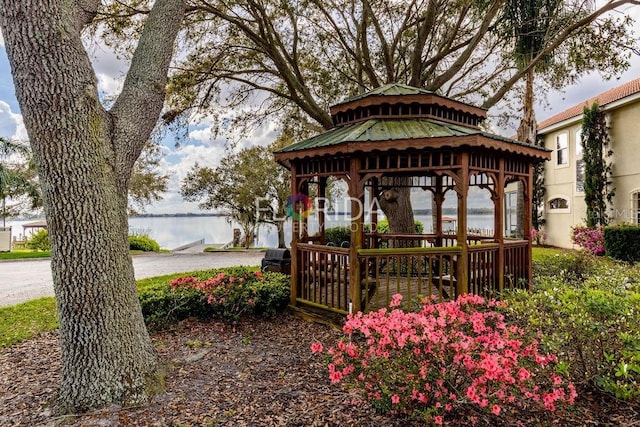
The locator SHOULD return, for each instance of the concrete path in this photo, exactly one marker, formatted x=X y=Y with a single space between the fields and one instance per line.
x=23 y=280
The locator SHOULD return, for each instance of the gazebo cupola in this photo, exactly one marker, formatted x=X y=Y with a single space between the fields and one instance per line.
x=404 y=102
x=401 y=137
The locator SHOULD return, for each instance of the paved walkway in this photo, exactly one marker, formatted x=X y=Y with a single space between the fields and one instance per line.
x=23 y=280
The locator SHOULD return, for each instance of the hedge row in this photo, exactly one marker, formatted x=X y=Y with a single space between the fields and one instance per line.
x=225 y=293
x=623 y=242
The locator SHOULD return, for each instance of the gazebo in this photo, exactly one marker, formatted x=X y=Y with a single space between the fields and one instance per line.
x=395 y=137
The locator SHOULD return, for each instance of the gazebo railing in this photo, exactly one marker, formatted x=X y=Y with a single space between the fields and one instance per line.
x=516 y=264
x=410 y=272
x=388 y=240
x=483 y=269
x=324 y=276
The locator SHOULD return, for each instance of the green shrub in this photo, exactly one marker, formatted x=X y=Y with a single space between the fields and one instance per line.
x=623 y=242
x=143 y=243
x=569 y=267
x=224 y=294
x=39 y=241
x=337 y=235
x=382 y=227
x=590 y=317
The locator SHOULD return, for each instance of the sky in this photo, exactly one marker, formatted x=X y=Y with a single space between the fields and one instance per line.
x=203 y=148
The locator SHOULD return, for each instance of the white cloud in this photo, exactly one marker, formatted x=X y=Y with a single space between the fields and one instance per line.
x=110 y=86
x=11 y=124
x=1 y=39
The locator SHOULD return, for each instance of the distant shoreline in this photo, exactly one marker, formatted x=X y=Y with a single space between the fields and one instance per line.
x=445 y=211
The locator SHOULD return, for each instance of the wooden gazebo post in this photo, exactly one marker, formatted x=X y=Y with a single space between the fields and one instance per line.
x=462 y=189
x=322 y=193
x=438 y=198
x=499 y=213
x=356 y=192
x=295 y=237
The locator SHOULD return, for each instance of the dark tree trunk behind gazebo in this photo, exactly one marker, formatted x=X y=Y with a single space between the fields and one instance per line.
x=396 y=205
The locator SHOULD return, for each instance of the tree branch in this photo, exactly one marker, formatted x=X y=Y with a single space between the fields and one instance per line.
x=138 y=107
x=559 y=39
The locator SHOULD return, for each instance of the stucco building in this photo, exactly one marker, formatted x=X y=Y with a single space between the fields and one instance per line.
x=564 y=204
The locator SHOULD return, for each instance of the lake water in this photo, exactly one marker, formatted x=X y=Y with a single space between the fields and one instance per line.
x=174 y=231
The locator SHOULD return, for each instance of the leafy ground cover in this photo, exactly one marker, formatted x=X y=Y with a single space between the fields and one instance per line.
x=260 y=371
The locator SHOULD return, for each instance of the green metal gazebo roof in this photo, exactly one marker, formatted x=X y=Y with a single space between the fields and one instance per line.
x=390 y=90
x=379 y=130
x=436 y=122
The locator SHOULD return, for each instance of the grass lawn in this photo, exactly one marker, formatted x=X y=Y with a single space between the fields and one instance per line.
x=20 y=322
x=24 y=254
x=540 y=252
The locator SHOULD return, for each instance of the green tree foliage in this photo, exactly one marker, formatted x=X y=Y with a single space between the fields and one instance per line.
x=597 y=170
x=147 y=183
x=288 y=60
x=39 y=241
x=247 y=184
x=19 y=190
x=537 y=201
x=303 y=56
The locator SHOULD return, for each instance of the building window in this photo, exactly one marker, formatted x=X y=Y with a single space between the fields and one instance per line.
x=562 y=149
x=579 y=176
x=558 y=203
x=635 y=206
x=579 y=163
x=579 y=144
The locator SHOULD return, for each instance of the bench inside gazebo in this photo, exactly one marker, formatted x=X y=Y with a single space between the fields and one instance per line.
x=393 y=138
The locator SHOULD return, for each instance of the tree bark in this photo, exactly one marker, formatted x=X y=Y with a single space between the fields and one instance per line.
x=526 y=133
x=396 y=205
x=85 y=156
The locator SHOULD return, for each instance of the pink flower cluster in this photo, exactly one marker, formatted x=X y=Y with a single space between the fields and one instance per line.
x=449 y=353
x=539 y=236
x=216 y=288
x=591 y=239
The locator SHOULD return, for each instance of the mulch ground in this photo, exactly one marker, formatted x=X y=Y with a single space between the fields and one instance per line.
x=258 y=373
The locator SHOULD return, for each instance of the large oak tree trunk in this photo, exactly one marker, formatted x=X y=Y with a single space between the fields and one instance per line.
x=396 y=205
x=85 y=156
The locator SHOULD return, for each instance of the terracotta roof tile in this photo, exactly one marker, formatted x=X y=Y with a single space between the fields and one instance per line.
x=627 y=89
